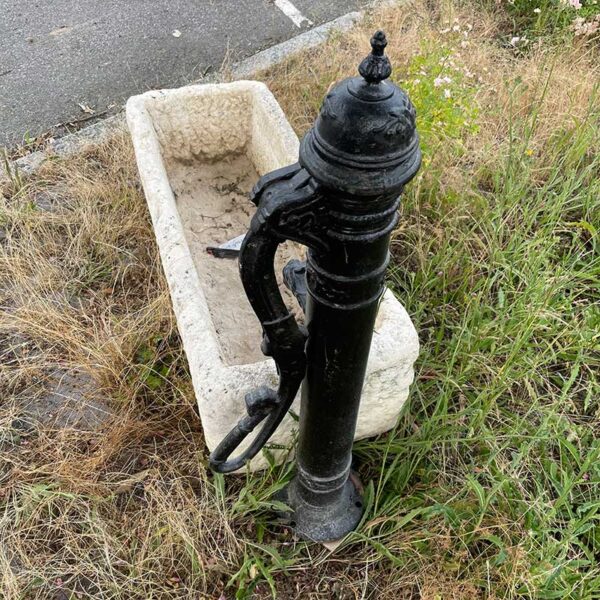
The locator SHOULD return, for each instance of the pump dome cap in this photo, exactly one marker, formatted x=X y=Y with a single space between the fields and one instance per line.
x=364 y=140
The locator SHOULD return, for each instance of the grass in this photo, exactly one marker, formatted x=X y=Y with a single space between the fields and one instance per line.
x=554 y=21
x=488 y=487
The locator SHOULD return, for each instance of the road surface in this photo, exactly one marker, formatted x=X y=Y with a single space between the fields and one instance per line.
x=59 y=58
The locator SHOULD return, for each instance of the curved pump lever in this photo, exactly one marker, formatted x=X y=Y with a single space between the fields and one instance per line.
x=290 y=207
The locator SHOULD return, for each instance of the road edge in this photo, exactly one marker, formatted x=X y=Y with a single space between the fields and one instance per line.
x=72 y=143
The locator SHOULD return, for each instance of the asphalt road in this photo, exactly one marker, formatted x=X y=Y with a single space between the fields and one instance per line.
x=56 y=55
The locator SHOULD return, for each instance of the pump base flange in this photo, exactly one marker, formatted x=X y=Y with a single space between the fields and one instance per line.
x=326 y=523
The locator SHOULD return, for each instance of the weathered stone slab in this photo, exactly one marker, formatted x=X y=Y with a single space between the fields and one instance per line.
x=199 y=150
x=68 y=400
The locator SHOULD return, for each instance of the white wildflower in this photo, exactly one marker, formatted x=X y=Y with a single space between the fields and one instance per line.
x=438 y=81
x=582 y=27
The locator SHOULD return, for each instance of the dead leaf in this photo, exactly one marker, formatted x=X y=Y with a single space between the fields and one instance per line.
x=86 y=109
x=60 y=30
x=128 y=484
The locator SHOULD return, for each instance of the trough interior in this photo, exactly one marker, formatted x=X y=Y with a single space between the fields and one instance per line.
x=214 y=207
x=210 y=148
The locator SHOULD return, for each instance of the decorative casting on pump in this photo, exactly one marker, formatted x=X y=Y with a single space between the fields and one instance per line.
x=340 y=201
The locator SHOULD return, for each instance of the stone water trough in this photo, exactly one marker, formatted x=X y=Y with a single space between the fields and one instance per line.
x=199 y=151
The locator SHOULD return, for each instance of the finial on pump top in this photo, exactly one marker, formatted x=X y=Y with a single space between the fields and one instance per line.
x=376 y=67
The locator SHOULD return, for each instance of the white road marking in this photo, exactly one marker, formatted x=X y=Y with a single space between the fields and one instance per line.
x=290 y=11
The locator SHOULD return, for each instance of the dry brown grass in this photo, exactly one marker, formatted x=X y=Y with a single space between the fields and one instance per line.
x=129 y=510
x=83 y=291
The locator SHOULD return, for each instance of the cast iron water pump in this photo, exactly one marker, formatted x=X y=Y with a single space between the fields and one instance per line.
x=341 y=201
